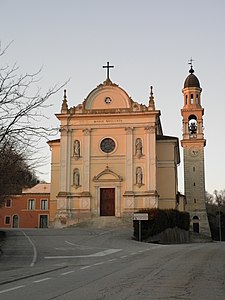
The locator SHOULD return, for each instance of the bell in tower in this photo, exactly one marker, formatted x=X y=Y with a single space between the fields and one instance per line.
x=192 y=126
x=193 y=144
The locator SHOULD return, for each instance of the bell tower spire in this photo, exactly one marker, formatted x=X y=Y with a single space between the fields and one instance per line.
x=193 y=143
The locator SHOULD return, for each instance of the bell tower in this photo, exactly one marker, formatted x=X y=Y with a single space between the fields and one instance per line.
x=193 y=143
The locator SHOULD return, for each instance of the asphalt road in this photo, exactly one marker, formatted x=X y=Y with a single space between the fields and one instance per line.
x=81 y=263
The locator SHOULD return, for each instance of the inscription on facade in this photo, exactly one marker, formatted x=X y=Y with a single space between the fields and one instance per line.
x=108 y=121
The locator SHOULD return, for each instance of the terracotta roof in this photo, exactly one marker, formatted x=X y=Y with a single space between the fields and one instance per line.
x=40 y=188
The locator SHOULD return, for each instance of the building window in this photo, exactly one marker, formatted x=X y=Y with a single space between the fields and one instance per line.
x=195 y=201
x=44 y=204
x=193 y=169
x=7 y=220
x=8 y=203
x=31 y=204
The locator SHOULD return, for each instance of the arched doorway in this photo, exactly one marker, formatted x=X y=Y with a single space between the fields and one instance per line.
x=15 y=223
x=196 y=224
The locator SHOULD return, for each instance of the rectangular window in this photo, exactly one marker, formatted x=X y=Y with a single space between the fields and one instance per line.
x=8 y=203
x=44 y=204
x=31 y=204
x=7 y=220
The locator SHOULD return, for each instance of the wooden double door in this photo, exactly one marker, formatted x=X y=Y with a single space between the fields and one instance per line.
x=107 y=202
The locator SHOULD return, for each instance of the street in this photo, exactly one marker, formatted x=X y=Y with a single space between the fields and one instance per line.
x=86 y=263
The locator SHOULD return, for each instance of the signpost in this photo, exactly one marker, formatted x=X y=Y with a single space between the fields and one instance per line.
x=140 y=217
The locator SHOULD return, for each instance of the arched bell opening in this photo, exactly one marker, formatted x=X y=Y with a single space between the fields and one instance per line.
x=192 y=124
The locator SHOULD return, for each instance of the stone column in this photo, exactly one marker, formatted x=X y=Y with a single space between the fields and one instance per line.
x=68 y=167
x=129 y=159
x=64 y=160
x=86 y=159
x=150 y=158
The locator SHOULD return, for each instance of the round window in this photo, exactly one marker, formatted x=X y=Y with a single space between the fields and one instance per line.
x=107 y=145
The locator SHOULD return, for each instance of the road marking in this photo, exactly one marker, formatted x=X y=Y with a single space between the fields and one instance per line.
x=14 y=288
x=78 y=246
x=99 y=263
x=133 y=253
x=66 y=273
x=123 y=256
x=113 y=259
x=41 y=280
x=98 y=254
x=86 y=267
x=105 y=232
x=34 y=249
x=70 y=243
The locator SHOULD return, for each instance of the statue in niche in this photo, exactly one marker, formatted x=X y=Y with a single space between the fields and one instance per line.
x=76 y=148
x=139 y=176
x=138 y=147
x=76 y=178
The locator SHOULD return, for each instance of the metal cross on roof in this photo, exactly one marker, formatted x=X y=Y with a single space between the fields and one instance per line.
x=108 y=67
x=191 y=61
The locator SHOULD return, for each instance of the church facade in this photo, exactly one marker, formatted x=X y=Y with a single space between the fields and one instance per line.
x=111 y=159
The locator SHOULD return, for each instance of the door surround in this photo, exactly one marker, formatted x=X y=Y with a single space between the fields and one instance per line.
x=107 y=179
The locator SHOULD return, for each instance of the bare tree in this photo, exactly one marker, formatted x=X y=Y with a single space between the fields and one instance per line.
x=21 y=102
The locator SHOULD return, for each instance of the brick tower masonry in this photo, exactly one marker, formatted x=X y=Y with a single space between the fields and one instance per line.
x=193 y=144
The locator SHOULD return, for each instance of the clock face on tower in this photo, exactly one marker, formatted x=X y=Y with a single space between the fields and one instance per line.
x=107 y=145
x=194 y=151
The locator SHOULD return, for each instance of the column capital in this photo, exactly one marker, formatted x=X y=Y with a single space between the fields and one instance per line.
x=65 y=129
x=87 y=131
x=150 y=128
x=129 y=130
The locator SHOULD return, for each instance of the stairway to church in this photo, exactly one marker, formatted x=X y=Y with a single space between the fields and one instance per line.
x=104 y=222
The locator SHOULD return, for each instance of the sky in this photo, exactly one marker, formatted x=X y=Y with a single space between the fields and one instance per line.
x=149 y=42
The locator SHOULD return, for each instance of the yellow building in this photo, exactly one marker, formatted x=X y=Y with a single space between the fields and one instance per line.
x=112 y=158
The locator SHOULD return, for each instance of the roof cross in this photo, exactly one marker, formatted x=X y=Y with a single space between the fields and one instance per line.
x=108 y=67
x=190 y=63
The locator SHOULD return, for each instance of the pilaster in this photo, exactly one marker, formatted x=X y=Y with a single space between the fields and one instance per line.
x=150 y=158
x=65 y=159
x=86 y=159
x=129 y=159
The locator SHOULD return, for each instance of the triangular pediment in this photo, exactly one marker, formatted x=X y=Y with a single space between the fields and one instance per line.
x=107 y=175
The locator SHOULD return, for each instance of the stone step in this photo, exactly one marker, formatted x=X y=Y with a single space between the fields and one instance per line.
x=102 y=222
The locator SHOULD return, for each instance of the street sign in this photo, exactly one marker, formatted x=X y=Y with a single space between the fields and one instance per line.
x=140 y=216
